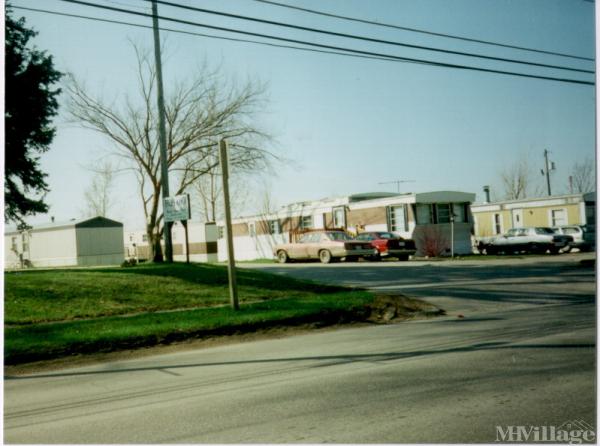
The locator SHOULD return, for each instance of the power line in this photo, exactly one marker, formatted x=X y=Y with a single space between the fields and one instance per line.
x=210 y=36
x=422 y=31
x=368 y=39
x=347 y=50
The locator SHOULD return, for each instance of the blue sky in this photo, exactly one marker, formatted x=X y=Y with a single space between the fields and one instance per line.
x=349 y=124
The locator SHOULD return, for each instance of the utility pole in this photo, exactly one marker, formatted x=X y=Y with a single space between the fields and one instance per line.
x=570 y=184
x=233 y=296
x=549 y=166
x=397 y=183
x=162 y=132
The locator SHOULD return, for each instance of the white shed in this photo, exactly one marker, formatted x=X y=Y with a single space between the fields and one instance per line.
x=89 y=242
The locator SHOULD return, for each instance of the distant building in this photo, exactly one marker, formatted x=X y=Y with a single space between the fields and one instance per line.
x=202 y=243
x=498 y=217
x=88 y=242
x=420 y=216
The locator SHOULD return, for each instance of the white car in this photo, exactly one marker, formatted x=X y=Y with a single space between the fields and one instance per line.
x=536 y=240
x=584 y=237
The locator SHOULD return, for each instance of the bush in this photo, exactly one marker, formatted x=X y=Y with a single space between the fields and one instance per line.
x=432 y=242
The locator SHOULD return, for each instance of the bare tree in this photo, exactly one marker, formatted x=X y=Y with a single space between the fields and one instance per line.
x=199 y=112
x=583 y=176
x=516 y=179
x=207 y=192
x=98 y=196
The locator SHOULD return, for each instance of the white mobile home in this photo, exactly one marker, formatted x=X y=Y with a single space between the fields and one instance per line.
x=88 y=242
x=435 y=220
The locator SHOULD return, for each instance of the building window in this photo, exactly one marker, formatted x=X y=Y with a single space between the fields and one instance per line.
x=306 y=222
x=460 y=212
x=252 y=229
x=397 y=218
x=274 y=227
x=25 y=241
x=558 y=217
x=443 y=213
x=424 y=214
x=220 y=232
x=339 y=217
x=497 y=224
x=145 y=238
x=13 y=243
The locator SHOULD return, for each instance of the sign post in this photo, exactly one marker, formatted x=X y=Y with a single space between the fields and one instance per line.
x=178 y=209
x=233 y=295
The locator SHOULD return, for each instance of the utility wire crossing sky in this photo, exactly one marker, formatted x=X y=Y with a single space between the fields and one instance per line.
x=355 y=121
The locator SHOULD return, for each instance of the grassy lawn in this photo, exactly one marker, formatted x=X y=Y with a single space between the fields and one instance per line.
x=55 y=313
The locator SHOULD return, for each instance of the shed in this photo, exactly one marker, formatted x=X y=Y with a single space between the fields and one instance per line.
x=88 y=242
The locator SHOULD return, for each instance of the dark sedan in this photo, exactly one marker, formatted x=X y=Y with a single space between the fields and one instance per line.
x=388 y=245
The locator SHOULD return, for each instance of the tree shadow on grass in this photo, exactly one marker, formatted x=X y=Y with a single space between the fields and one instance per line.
x=209 y=274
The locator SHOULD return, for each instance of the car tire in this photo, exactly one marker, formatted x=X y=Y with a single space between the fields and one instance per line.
x=282 y=257
x=325 y=256
x=554 y=250
x=534 y=248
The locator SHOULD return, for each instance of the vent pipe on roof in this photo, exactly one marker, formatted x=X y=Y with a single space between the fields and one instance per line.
x=486 y=189
x=52 y=219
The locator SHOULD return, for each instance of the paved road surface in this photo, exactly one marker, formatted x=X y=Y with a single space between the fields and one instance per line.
x=524 y=354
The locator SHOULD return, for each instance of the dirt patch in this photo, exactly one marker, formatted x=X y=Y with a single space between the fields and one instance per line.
x=384 y=309
x=387 y=308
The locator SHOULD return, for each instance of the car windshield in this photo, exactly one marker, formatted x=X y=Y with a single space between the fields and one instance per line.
x=544 y=231
x=338 y=236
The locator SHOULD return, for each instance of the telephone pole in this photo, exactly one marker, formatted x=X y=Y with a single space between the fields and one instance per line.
x=549 y=166
x=162 y=132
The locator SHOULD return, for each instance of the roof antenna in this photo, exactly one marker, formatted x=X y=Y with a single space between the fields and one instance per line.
x=397 y=183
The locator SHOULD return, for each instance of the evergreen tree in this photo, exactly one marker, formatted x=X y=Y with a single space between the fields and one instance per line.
x=30 y=104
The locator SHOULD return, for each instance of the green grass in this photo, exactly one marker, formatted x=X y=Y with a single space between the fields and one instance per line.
x=56 y=313
x=59 y=295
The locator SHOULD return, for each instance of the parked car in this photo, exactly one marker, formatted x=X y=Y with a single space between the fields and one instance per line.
x=584 y=237
x=327 y=246
x=534 y=240
x=389 y=245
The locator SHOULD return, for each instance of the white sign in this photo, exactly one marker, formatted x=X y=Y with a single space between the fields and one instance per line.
x=177 y=208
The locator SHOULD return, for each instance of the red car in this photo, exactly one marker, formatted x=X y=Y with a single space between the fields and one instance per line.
x=389 y=245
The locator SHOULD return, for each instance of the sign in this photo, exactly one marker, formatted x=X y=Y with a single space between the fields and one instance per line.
x=177 y=208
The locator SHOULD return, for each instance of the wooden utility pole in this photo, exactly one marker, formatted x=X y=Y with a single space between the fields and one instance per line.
x=233 y=296
x=162 y=132
x=549 y=167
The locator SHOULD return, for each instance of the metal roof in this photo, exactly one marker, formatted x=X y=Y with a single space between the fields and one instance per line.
x=94 y=222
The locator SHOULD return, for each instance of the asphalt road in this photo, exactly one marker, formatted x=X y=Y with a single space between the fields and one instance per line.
x=523 y=353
